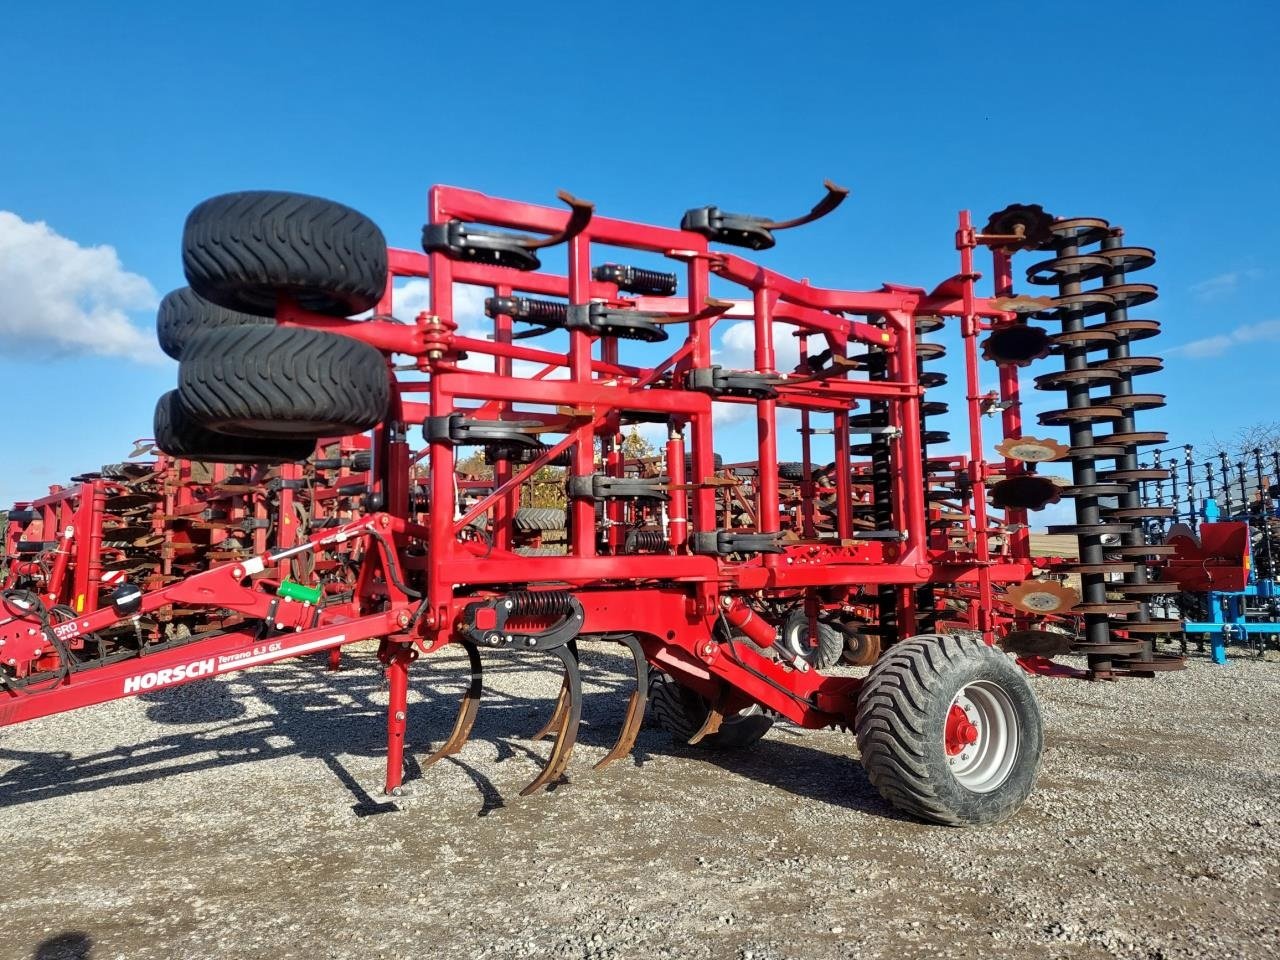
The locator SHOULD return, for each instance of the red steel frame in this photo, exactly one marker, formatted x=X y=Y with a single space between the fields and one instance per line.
x=677 y=599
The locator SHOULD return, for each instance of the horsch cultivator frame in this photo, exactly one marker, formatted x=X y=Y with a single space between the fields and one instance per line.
x=726 y=581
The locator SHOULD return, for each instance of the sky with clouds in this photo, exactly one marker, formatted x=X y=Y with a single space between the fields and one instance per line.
x=1162 y=124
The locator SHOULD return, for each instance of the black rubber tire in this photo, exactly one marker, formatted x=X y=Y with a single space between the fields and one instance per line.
x=900 y=726
x=179 y=436
x=243 y=250
x=283 y=382
x=531 y=519
x=681 y=712
x=184 y=315
x=793 y=472
x=688 y=463
x=795 y=633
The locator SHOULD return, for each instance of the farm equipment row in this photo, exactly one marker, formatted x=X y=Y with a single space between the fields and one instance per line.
x=524 y=521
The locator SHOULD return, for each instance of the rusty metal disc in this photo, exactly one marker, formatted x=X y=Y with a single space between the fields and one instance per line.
x=1019 y=226
x=1135 y=366
x=1148 y=628
x=1090 y=339
x=1092 y=414
x=1110 y=648
x=1096 y=490
x=930 y=351
x=1018 y=344
x=931 y=378
x=1083 y=230
x=1138 y=513
x=1131 y=330
x=1139 y=438
x=1090 y=529
x=1131 y=294
x=1027 y=491
x=1106 y=608
x=1102 y=568
x=1065 y=379
x=928 y=323
x=1036 y=643
x=1076 y=268
x=1081 y=304
x=1129 y=259
x=1022 y=304
x=1097 y=451
x=1133 y=476
x=1032 y=449
x=1138 y=401
x=1041 y=596
x=1143 y=550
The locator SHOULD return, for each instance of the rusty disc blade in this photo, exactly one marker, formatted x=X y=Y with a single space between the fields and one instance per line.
x=1091 y=414
x=1065 y=379
x=1111 y=648
x=1150 y=627
x=1130 y=330
x=1041 y=596
x=1078 y=268
x=1028 y=491
x=1032 y=449
x=1083 y=230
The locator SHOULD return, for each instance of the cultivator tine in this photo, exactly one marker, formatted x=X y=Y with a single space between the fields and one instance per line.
x=709 y=726
x=635 y=709
x=567 y=734
x=466 y=714
x=556 y=720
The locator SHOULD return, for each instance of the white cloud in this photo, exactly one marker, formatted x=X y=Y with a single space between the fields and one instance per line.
x=59 y=298
x=1220 y=343
x=1223 y=283
x=738 y=347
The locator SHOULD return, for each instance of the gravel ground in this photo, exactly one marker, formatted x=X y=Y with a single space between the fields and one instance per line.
x=239 y=817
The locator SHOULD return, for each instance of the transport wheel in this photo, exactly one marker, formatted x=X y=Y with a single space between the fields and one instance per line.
x=791 y=471
x=283 y=382
x=795 y=635
x=949 y=730
x=179 y=436
x=244 y=250
x=184 y=314
x=530 y=519
x=681 y=712
x=861 y=649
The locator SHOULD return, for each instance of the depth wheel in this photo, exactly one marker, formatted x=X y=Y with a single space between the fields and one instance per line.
x=184 y=315
x=681 y=712
x=950 y=731
x=795 y=636
x=178 y=435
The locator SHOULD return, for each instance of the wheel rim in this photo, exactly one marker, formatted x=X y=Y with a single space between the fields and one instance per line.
x=797 y=639
x=981 y=736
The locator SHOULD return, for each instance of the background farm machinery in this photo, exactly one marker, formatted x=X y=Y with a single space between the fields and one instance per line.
x=734 y=564
x=1221 y=521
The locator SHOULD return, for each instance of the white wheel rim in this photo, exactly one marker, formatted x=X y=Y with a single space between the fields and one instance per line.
x=984 y=764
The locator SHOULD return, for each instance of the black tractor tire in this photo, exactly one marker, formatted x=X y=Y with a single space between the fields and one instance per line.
x=681 y=712
x=179 y=436
x=539 y=519
x=283 y=382
x=790 y=471
x=243 y=251
x=902 y=726
x=688 y=464
x=795 y=635
x=184 y=315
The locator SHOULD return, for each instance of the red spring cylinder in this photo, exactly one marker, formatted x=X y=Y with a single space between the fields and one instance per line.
x=757 y=629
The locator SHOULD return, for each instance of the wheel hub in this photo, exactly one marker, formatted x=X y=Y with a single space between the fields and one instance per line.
x=961 y=732
x=981 y=736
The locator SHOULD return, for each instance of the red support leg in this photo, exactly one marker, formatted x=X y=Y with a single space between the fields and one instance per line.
x=397 y=717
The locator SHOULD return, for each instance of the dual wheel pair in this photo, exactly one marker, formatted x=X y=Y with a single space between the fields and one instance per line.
x=250 y=391
x=948 y=728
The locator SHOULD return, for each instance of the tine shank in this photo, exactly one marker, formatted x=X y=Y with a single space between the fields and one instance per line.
x=567 y=736
x=556 y=720
x=466 y=714
x=709 y=726
x=635 y=709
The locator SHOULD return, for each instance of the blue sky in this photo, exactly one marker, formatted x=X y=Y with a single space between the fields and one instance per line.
x=116 y=119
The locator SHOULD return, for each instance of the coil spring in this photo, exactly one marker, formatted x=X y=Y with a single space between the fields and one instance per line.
x=539 y=603
x=925 y=597
x=639 y=541
x=546 y=312
x=654 y=283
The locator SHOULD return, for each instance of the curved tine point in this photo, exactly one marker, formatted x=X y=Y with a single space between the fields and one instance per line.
x=834 y=197
x=466 y=714
x=562 y=749
x=557 y=715
x=635 y=708
x=709 y=726
x=580 y=213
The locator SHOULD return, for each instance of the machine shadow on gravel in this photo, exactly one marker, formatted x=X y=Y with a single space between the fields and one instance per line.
x=311 y=713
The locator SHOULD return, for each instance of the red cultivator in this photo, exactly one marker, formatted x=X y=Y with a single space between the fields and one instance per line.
x=739 y=583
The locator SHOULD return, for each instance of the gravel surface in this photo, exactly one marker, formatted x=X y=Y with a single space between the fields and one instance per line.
x=240 y=817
